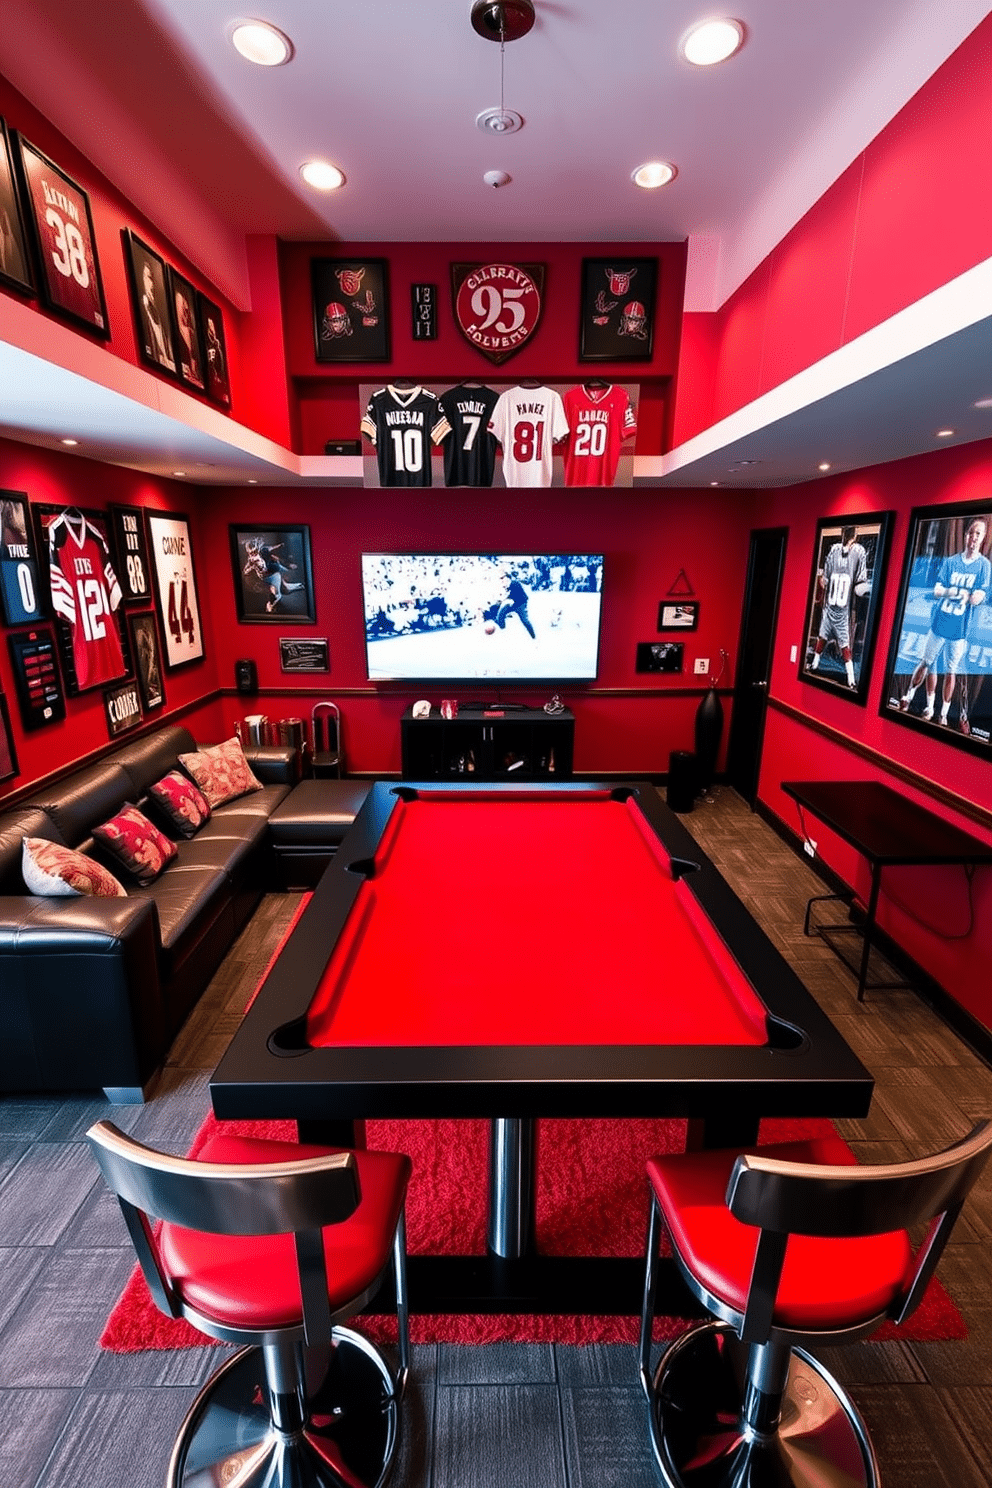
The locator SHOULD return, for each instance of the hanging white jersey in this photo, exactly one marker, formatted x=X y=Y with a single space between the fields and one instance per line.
x=528 y=422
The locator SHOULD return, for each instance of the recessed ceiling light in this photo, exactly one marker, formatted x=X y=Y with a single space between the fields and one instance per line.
x=70 y=441
x=654 y=174
x=261 y=43
x=321 y=175
x=945 y=433
x=179 y=472
x=983 y=403
x=823 y=465
x=712 y=41
x=252 y=481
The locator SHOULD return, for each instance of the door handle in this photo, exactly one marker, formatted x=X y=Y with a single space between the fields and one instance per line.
x=759 y=684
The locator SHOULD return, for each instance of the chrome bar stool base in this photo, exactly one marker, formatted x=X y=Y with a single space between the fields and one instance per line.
x=348 y=1441
x=696 y=1414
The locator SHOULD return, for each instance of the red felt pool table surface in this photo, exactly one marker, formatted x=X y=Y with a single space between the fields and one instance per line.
x=486 y=920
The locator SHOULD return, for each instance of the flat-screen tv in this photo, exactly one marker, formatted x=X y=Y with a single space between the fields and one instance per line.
x=499 y=617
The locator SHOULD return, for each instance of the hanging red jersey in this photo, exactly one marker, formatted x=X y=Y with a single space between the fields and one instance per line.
x=599 y=420
x=85 y=593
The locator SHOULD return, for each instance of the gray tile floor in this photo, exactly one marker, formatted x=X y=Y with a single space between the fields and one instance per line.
x=504 y=1415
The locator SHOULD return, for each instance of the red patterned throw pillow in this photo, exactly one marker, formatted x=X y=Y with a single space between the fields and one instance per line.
x=136 y=843
x=177 y=796
x=54 y=870
x=221 y=772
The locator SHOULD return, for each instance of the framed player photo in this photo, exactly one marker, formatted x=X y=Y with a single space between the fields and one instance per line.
x=678 y=614
x=84 y=594
x=273 y=575
x=59 y=213
x=938 y=677
x=217 y=372
x=150 y=299
x=616 y=309
x=147 y=664
x=350 y=309
x=131 y=549
x=187 y=339
x=36 y=678
x=311 y=655
x=845 y=588
x=20 y=592
x=659 y=656
x=8 y=757
x=15 y=258
x=175 y=581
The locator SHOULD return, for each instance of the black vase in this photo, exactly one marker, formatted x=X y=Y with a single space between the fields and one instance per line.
x=709 y=731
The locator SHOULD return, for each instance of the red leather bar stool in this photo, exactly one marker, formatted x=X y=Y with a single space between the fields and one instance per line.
x=273 y=1245
x=786 y=1246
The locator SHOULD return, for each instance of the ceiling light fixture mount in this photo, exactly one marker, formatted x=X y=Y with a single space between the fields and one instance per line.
x=261 y=43
x=502 y=20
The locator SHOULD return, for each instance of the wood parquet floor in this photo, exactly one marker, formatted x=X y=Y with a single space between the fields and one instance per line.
x=500 y=1416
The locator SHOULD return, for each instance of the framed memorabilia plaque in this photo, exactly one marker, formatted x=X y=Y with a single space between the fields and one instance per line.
x=122 y=707
x=187 y=340
x=938 y=678
x=8 y=756
x=350 y=309
x=15 y=257
x=175 y=580
x=36 y=678
x=311 y=655
x=423 y=309
x=682 y=614
x=497 y=306
x=842 y=605
x=273 y=576
x=59 y=212
x=616 y=314
x=20 y=594
x=150 y=299
x=216 y=371
x=659 y=656
x=85 y=595
x=128 y=526
x=147 y=664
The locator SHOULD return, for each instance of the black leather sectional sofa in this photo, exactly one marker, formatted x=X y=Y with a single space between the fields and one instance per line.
x=93 y=991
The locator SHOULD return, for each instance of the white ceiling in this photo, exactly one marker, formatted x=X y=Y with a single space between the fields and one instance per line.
x=209 y=147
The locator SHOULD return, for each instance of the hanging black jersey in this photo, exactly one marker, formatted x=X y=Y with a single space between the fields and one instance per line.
x=469 y=448
x=402 y=423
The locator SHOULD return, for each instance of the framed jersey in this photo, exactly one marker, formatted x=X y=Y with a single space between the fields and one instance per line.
x=842 y=606
x=8 y=755
x=131 y=549
x=15 y=260
x=84 y=594
x=59 y=212
x=175 y=581
x=20 y=593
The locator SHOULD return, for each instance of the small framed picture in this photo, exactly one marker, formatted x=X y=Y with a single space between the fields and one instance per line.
x=36 y=678
x=8 y=756
x=937 y=678
x=350 y=309
x=659 y=656
x=310 y=655
x=175 y=580
x=423 y=308
x=150 y=299
x=273 y=577
x=217 y=372
x=616 y=313
x=680 y=614
x=85 y=596
x=187 y=339
x=15 y=257
x=147 y=665
x=20 y=593
x=842 y=605
x=122 y=707
x=59 y=213
x=131 y=547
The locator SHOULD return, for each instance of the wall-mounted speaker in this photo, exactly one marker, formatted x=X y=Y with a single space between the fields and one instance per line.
x=246 y=675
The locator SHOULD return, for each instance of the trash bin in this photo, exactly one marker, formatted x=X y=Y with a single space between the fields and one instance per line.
x=682 y=776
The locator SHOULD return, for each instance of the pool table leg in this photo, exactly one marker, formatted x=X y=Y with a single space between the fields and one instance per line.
x=512 y=1186
x=724 y=1129
x=337 y=1132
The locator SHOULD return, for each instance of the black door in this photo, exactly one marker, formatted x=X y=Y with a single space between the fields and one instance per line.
x=754 y=659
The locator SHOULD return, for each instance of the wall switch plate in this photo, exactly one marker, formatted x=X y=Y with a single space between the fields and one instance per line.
x=794 y=654
x=702 y=665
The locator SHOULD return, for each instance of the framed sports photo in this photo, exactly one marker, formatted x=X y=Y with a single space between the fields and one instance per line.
x=85 y=596
x=147 y=664
x=273 y=575
x=175 y=581
x=678 y=614
x=15 y=257
x=842 y=606
x=36 y=678
x=59 y=213
x=150 y=300
x=122 y=708
x=20 y=592
x=187 y=340
x=938 y=676
x=8 y=756
x=659 y=656
x=350 y=309
x=616 y=310
x=216 y=371
x=131 y=547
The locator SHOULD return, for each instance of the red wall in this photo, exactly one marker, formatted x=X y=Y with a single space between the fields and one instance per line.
x=921 y=909
x=908 y=214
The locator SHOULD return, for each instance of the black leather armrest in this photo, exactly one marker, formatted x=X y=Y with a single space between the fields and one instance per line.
x=275 y=764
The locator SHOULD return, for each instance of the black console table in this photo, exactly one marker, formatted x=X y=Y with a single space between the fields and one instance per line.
x=887 y=829
x=497 y=743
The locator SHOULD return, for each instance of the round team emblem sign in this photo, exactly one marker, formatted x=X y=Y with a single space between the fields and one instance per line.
x=497 y=306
